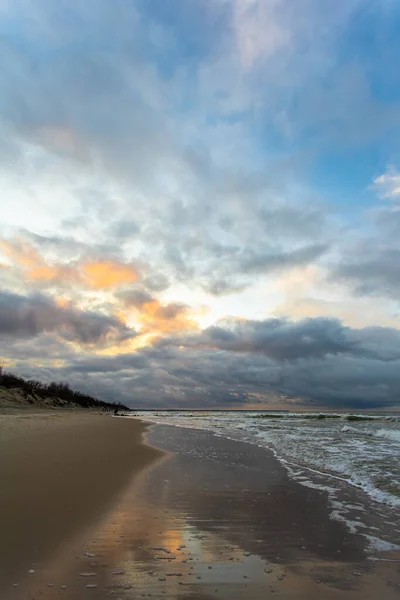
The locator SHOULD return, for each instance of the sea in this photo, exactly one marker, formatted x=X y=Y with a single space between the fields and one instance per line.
x=335 y=452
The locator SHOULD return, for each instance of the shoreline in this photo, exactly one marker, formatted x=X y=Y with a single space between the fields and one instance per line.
x=382 y=505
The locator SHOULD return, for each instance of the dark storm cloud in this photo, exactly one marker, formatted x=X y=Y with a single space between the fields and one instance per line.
x=314 y=363
x=280 y=339
x=29 y=316
x=286 y=340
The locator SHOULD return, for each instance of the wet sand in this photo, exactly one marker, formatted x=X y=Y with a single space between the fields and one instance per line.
x=211 y=518
x=59 y=472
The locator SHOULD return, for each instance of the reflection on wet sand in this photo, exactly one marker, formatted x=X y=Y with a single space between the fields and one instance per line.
x=201 y=523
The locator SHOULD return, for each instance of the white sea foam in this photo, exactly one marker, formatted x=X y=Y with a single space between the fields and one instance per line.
x=381 y=545
x=390 y=434
x=350 y=429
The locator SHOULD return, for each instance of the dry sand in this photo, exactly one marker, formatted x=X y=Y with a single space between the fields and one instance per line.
x=209 y=518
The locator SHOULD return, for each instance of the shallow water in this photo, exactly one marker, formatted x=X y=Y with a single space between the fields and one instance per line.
x=319 y=450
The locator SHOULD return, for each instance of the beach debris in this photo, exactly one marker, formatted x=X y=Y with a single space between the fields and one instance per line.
x=31 y=571
x=357 y=573
x=87 y=574
x=161 y=549
x=89 y=555
x=91 y=585
x=15 y=584
x=246 y=553
x=165 y=557
x=174 y=574
x=181 y=547
x=63 y=587
x=50 y=585
x=118 y=572
x=198 y=577
x=162 y=579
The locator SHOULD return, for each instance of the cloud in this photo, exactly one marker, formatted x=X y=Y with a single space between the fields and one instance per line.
x=369 y=263
x=155 y=317
x=161 y=157
x=279 y=339
x=134 y=146
x=388 y=185
x=29 y=316
x=85 y=272
x=318 y=363
x=107 y=274
x=252 y=262
x=259 y=30
x=372 y=272
x=283 y=339
x=310 y=292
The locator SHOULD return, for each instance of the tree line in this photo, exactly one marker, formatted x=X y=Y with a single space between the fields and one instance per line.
x=59 y=392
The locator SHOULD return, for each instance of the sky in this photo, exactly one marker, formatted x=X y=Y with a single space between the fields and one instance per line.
x=200 y=201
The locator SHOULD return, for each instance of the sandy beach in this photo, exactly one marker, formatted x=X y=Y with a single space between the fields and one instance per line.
x=97 y=514
x=59 y=473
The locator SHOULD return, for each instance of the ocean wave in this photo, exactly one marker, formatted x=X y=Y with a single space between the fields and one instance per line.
x=323 y=416
x=356 y=431
x=389 y=434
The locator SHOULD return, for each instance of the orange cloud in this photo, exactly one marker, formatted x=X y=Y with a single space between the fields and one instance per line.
x=42 y=272
x=107 y=274
x=169 y=318
x=98 y=274
x=21 y=253
x=155 y=318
